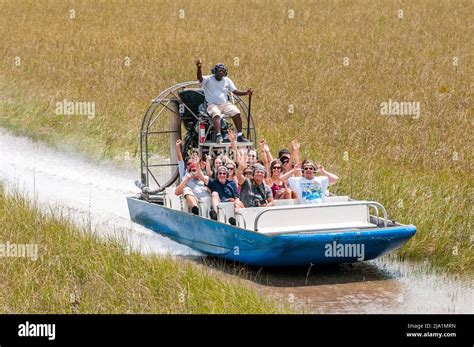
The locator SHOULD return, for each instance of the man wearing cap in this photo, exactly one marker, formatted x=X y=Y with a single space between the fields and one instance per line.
x=311 y=189
x=290 y=159
x=216 y=87
x=254 y=192
x=222 y=189
x=191 y=187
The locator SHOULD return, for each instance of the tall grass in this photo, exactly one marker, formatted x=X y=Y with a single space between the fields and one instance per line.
x=420 y=168
x=76 y=272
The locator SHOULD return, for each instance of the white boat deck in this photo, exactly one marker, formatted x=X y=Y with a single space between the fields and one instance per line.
x=288 y=216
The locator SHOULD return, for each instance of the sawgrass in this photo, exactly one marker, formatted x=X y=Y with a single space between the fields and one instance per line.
x=421 y=169
x=78 y=272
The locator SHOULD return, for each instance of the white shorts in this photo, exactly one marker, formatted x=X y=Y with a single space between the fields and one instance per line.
x=188 y=191
x=227 y=109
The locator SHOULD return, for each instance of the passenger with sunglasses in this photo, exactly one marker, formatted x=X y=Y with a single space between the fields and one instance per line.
x=311 y=189
x=231 y=168
x=222 y=189
x=277 y=181
x=192 y=187
x=216 y=162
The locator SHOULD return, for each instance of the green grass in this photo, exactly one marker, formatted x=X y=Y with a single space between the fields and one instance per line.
x=421 y=169
x=77 y=272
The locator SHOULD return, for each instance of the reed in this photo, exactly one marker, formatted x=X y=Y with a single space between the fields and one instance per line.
x=334 y=63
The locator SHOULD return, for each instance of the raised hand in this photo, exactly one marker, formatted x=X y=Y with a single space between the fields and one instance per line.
x=231 y=136
x=195 y=159
x=198 y=62
x=243 y=158
x=295 y=145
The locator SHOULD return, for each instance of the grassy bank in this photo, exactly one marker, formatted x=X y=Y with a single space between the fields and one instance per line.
x=421 y=169
x=78 y=273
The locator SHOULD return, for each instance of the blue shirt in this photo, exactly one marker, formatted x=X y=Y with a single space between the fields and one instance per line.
x=226 y=191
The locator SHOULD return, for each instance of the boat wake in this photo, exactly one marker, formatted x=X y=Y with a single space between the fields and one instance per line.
x=89 y=194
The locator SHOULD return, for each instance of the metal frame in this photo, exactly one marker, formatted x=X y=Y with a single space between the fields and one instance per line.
x=223 y=212
x=237 y=213
x=154 y=111
x=368 y=203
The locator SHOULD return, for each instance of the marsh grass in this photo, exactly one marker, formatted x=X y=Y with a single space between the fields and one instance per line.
x=420 y=168
x=78 y=272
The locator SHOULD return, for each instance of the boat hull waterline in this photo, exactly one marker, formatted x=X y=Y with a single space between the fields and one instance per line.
x=245 y=246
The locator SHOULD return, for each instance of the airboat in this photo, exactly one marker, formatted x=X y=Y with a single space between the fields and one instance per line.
x=339 y=230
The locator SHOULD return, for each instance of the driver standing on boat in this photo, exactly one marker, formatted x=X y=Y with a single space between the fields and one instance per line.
x=311 y=189
x=216 y=87
x=222 y=189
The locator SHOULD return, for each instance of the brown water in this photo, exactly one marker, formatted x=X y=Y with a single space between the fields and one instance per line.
x=385 y=285
x=97 y=194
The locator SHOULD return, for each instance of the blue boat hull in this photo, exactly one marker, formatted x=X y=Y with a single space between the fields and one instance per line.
x=236 y=244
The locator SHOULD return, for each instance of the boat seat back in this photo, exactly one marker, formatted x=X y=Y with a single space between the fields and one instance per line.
x=246 y=217
x=305 y=217
x=336 y=198
x=329 y=199
x=172 y=200
x=225 y=210
x=285 y=202
x=205 y=206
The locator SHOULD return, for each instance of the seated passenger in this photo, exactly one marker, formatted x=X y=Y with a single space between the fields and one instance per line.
x=289 y=159
x=276 y=180
x=254 y=192
x=191 y=187
x=311 y=189
x=212 y=169
x=222 y=189
x=278 y=186
x=252 y=158
x=231 y=167
x=284 y=156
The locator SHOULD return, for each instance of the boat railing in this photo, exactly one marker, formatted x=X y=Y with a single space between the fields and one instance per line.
x=220 y=210
x=241 y=217
x=279 y=209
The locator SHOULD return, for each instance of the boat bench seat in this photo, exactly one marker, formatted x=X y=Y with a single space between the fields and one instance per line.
x=329 y=199
x=281 y=219
x=225 y=210
x=174 y=201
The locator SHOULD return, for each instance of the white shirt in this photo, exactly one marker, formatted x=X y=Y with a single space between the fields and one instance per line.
x=216 y=91
x=310 y=191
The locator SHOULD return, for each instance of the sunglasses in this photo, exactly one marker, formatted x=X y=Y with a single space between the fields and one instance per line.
x=230 y=168
x=308 y=168
x=222 y=174
x=277 y=168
